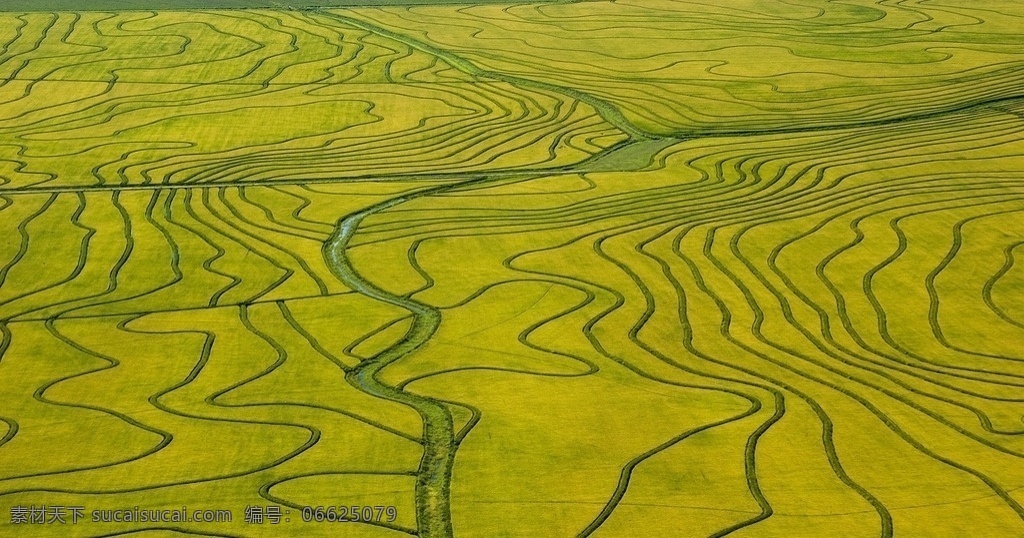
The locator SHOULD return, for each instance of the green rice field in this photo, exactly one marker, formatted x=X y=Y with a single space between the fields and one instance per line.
x=629 y=268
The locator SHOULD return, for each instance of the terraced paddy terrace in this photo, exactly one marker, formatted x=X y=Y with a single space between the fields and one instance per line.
x=640 y=268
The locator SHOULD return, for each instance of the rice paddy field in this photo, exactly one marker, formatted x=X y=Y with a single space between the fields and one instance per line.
x=631 y=268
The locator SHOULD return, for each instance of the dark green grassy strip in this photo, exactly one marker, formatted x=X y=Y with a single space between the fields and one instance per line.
x=282 y=355
x=470 y=138
x=175 y=253
x=254 y=169
x=296 y=214
x=287 y=316
x=433 y=478
x=524 y=335
x=750 y=468
x=313 y=342
x=29 y=6
x=34 y=47
x=73 y=302
x=231 y=232
x=475 y=416
x=439 y=438
x=792 y=321
x=903 y=352
x=627 y=470
x=428 y=281
x=171 y=309
x=933 y=309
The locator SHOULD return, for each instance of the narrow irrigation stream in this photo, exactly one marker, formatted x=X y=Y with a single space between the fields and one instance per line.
x=433 y=478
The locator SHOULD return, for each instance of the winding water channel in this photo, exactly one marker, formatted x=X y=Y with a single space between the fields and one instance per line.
x=433 y=477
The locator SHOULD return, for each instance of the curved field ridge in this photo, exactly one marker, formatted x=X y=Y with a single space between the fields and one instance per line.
x=611 y=269
x=172 y=97
x=694 y=68
x=823 y=277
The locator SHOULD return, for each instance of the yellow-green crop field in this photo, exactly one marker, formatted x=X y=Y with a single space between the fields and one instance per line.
x=631 y=268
